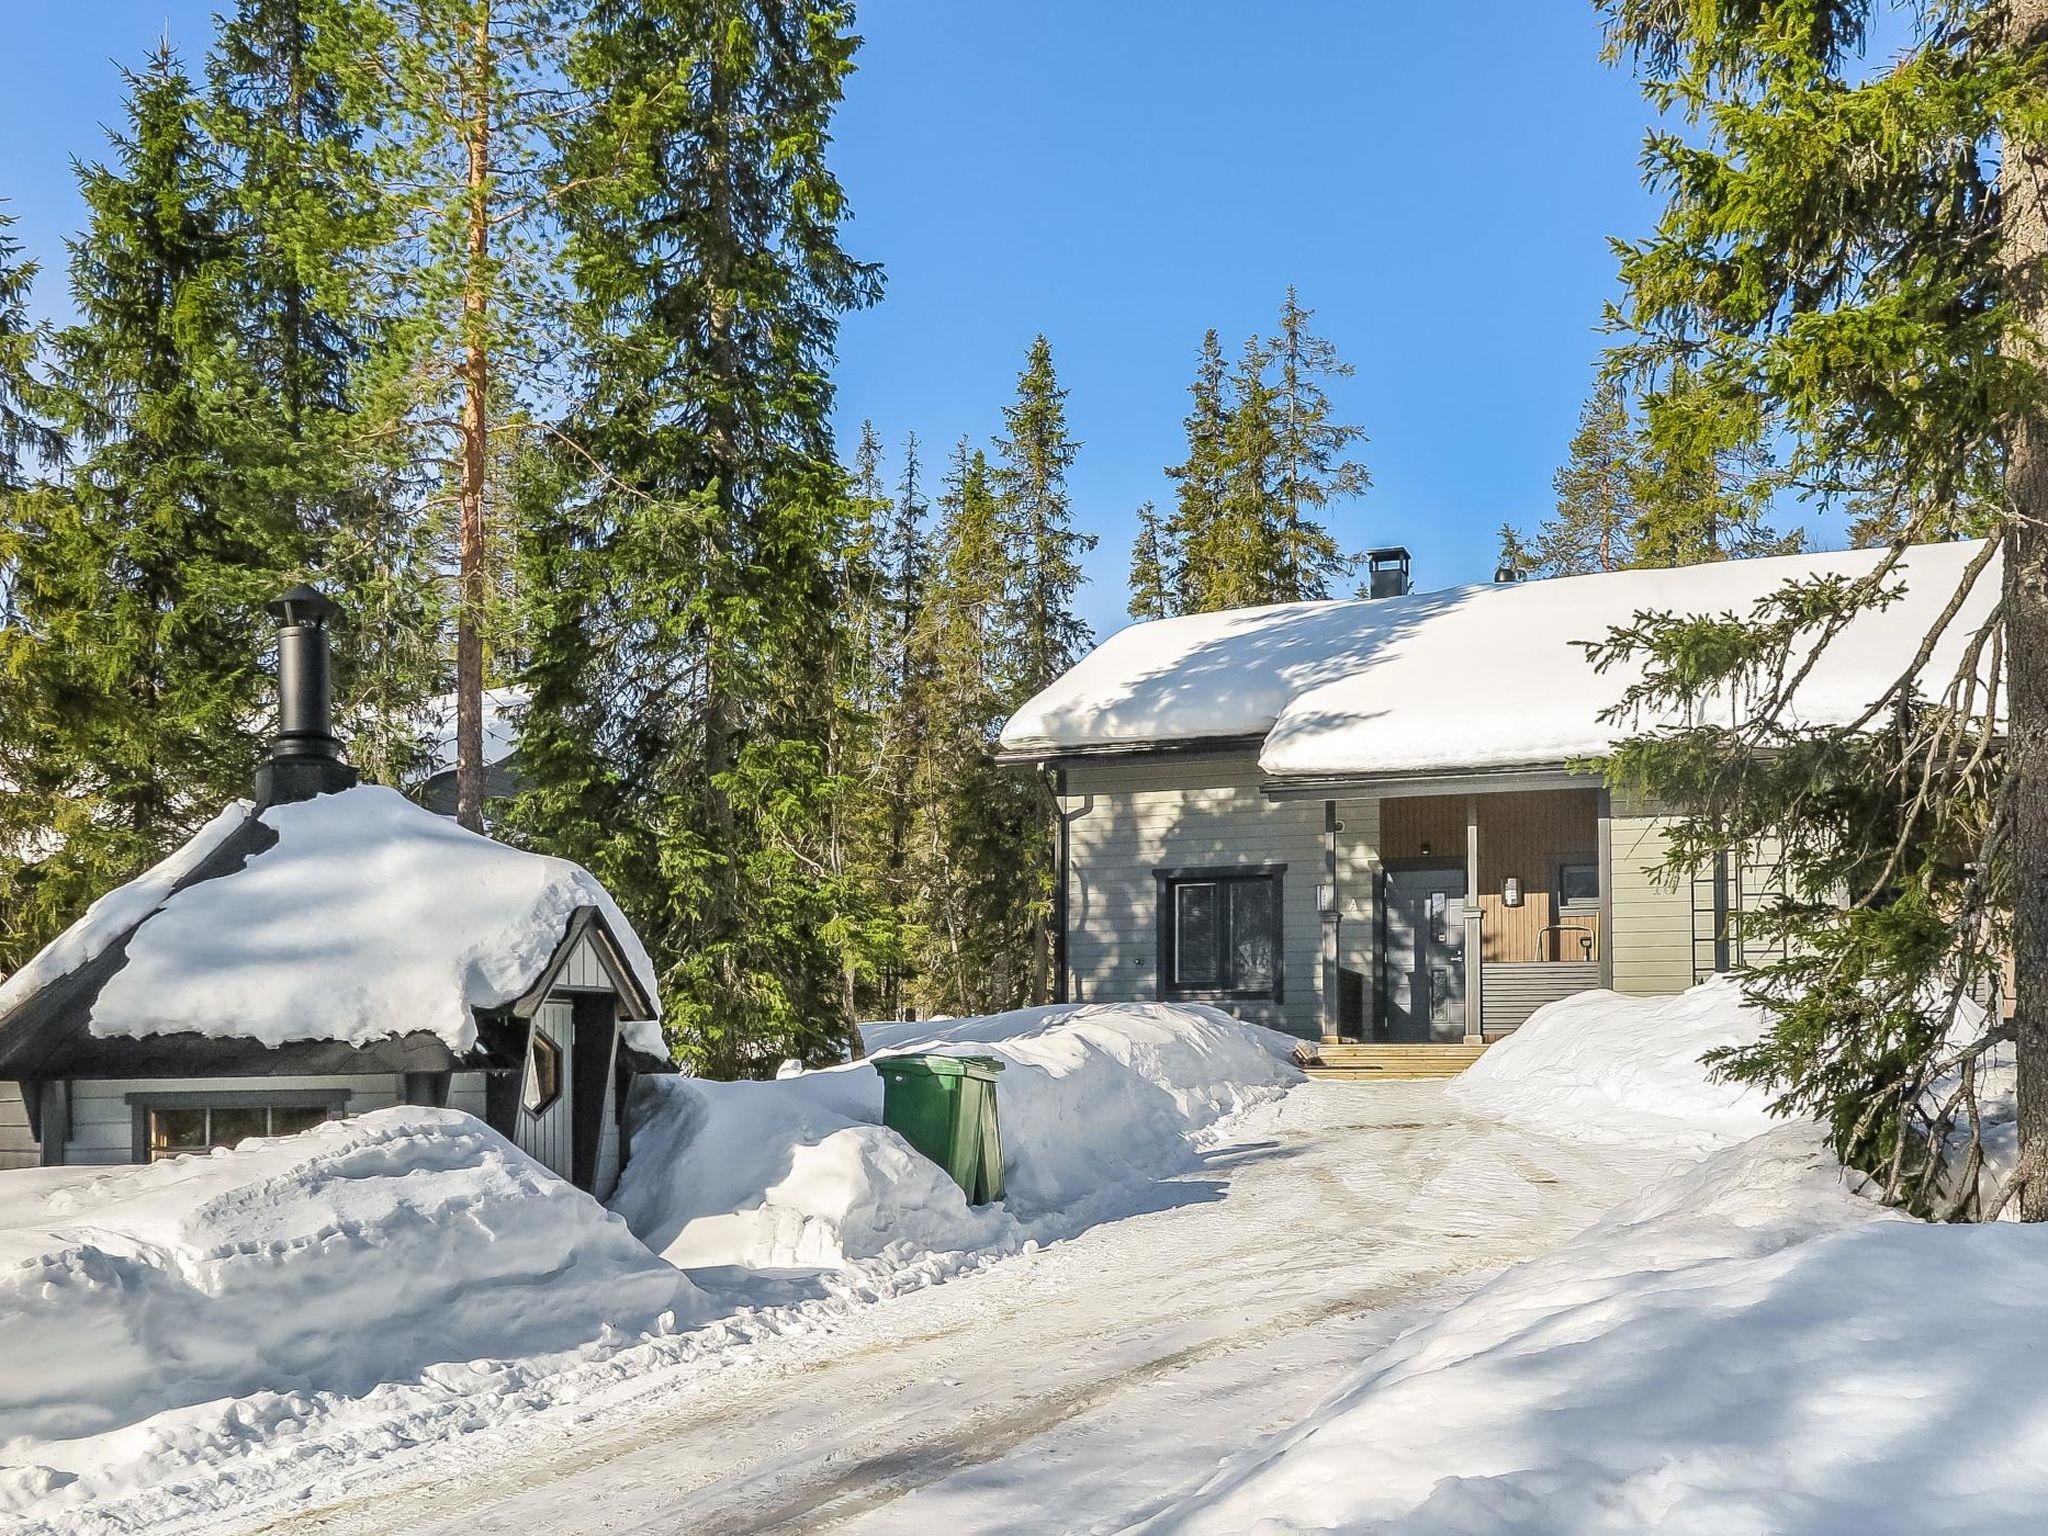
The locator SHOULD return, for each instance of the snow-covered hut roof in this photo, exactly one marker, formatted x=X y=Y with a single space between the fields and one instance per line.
x=353 y=920
x=1466 y=678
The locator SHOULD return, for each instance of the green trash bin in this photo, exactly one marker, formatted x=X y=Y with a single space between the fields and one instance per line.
x=945 y=1106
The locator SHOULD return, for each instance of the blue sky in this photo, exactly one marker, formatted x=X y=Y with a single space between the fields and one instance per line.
x=1439 y=181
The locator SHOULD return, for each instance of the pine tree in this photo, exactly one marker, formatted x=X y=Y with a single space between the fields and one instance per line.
x=1594 y=526
x=466 y=93
x=1312 y=470
x=132 y=666
x=907 y=575
x=683 y=584
x=1852 y=265
x=1155 y=578
x=1199 y=478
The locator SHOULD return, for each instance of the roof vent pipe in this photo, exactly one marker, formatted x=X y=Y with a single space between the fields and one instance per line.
x=1386 y=572
x=305 y=755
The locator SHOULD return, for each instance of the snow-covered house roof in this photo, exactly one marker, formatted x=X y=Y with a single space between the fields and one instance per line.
x=352 y=924
x=1475 y=677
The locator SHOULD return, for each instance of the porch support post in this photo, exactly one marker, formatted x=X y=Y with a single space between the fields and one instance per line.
x=1331 y=917
x=1475 y=969
x=1606 y=843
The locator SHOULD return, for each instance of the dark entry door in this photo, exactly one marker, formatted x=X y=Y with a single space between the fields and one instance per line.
x=1425 y=954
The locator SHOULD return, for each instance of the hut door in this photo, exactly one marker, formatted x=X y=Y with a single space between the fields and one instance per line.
x=544 y=1122
x=1425 y=956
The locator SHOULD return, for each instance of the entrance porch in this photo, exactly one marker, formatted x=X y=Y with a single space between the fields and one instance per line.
x=1486 y=906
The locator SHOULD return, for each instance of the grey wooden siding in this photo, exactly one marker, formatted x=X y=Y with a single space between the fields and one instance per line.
x=18 y=1149
x=584 y=971
x=103 y=1125
x=546 y=1137
x=466 y=1093
x=1129 y=818
x=1514 y=990
x=1652 y=936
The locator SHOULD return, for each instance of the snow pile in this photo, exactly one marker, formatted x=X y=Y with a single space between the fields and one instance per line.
x=361 y=1252
x=800 y=1171
x=1466 y=677
x=368 y=917
x=1599 y=1066
x=1743 y=1347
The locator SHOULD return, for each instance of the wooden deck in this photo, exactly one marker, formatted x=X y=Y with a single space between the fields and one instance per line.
x=1391 y=1063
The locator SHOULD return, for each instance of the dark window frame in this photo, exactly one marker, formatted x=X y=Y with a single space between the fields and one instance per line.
x=542 y=1044
x=333 y=1100
x=1579 y=903
x=1168 y=881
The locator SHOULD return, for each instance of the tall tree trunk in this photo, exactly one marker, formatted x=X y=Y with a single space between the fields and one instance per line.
x=2024 y=232
x=476 y=380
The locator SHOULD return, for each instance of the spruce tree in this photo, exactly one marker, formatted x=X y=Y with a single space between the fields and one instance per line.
x=1040 y=544
x=1238 y=560
x=683 y=584
x=1312 y=468
x=1852 y=264
x=976 y=907
x=26 y=438
x=1199 y=478
x=1155 y=576
x=310 y=222
x=907 y=565
x=1043 y=634
x=1594 y=526
x=1703 y=483
x=1515 y=560
x=133 y=663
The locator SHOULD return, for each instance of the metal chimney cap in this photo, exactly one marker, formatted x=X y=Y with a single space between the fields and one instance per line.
x=304 y=605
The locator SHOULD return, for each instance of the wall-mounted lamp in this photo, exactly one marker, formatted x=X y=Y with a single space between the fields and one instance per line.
x=1326 y=899
x=1511 y=891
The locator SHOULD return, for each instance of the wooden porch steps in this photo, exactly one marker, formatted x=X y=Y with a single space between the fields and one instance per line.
x=1406 y=1063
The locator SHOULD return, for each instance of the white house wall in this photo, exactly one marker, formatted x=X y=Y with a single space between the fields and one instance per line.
x=103 y=1123
x=1652 y=939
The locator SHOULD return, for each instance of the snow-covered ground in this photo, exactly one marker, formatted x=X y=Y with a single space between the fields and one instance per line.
x=1220 y=1304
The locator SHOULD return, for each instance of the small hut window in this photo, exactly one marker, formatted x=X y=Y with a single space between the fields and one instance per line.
x=543 y=1075
x=174 y=1129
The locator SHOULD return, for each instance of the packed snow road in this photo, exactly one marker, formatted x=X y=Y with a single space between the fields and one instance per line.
x=1079 y=1386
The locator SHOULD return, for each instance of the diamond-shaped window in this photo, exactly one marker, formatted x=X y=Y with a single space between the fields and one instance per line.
x=543 y=1075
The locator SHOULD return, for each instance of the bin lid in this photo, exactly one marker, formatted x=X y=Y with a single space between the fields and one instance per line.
x=936 y=1064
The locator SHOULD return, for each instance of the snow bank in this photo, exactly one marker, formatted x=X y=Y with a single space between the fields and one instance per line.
x=369 y=916
x=800 y=1171
x=1744 y=1347
x=1603 y=1067
x=361 y=1252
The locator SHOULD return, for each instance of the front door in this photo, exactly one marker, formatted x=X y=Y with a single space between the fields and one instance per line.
x=1425 y=954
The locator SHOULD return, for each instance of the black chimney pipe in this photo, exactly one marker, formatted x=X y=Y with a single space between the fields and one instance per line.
x=305 y=755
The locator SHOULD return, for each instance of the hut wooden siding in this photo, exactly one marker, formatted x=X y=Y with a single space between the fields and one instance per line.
x=546 y=1137
x=18 y=1145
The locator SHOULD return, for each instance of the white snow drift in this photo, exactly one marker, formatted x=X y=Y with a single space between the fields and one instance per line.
x=1603 y=1067
x=363 y=1251
x=368 y=917
x=800 y=1171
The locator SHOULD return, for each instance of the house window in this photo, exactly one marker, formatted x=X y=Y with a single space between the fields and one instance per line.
x=543 y=1075
x=174 y=1124
x=1220 y=934
x=1578 y=885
